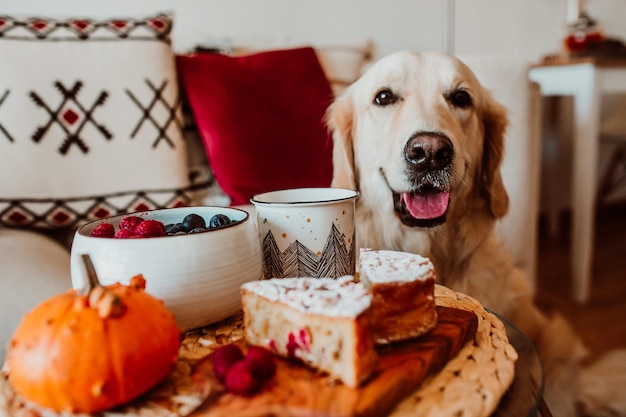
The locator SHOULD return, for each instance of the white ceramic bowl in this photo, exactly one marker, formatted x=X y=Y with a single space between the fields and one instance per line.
x=196 y=275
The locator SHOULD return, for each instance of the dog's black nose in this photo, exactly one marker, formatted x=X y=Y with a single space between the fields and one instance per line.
x=429 y=151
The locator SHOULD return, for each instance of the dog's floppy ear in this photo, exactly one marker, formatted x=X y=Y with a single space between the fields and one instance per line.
x=339 y=119
x=492 y=187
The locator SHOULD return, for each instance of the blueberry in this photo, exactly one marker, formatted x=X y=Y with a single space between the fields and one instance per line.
x=193 y=221
x=173 y=228
x=219 y=220
x=197 y=230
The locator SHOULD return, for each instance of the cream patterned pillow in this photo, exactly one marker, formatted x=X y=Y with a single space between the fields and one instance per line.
x=90 y=121
x=345 y=62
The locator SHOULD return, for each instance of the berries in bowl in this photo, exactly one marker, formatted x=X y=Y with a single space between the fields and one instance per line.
x=193 y=258
x=137 y=226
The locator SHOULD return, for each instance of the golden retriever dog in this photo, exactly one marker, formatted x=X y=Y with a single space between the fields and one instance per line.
x=422 y=140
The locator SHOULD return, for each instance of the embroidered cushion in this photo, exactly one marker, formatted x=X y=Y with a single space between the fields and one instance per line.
x=90 y=121
x=261 y=118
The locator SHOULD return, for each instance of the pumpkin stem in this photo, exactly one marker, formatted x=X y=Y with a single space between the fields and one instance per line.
x=90 y=277
x=106 y=302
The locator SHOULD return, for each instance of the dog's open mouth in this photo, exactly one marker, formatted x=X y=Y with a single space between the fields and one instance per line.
x=426 y=205
x=423 y=208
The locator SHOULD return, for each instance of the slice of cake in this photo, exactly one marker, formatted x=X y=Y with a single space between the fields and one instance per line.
x=323 y=322
x=403 y=300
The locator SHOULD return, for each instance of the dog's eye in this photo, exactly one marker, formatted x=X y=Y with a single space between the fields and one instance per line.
x=384 y=97
x=461 y=98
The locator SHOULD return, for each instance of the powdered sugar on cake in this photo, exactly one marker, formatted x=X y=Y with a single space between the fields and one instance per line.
x=391 y=266
x=341 y=297
x=402 y=286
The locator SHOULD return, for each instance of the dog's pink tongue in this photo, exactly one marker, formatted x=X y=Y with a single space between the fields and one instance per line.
x=428 y=206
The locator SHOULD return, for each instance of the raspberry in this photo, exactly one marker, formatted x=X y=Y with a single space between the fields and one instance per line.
x=225 y=357
x=150 y=228
x=103 y=230
x=125 y=234
x=130 y=222
x=241 y=380
x=262 y=362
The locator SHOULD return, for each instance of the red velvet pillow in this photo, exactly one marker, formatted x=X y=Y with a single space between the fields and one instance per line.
x=261 y=119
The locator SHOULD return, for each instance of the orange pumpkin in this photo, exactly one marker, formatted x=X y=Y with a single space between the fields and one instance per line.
x=90 y=350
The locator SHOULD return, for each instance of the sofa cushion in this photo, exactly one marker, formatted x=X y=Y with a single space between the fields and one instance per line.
x=261 y=118
x=34 y=268
x=344 y=62
x=89 y=120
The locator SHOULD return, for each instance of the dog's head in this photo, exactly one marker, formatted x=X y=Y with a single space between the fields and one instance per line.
x=418 y=134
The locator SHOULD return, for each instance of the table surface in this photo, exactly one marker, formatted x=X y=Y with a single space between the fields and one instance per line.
x=522 y=399
x=559 y=60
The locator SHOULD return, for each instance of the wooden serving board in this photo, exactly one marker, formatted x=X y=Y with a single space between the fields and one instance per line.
x=297 y=390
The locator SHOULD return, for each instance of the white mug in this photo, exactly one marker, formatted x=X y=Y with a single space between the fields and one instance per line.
x=307 y=232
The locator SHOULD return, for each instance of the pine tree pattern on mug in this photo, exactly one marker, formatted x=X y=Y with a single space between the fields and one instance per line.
x=297 y=260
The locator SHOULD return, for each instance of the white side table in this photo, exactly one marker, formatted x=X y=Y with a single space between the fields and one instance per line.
x=586 y=80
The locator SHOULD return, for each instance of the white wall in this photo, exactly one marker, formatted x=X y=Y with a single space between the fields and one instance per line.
x=524 y=28
x=528 y=28
x=394 y=24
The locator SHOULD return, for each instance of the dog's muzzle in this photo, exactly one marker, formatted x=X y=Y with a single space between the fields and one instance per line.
x=428 y=167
